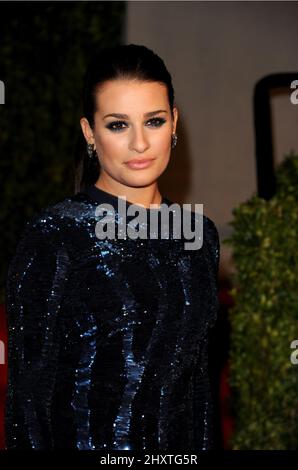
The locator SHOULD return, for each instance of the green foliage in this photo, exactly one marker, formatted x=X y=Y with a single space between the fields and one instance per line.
x=44 y=50
x=264 y=318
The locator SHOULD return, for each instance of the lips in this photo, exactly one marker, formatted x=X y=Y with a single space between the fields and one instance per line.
x=137 y=164
x=143 y=160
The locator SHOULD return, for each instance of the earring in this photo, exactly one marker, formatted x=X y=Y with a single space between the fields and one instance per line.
x=90 y=151
x=174 y=140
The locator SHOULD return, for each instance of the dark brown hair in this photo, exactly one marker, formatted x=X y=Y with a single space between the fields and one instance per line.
x=129 y=61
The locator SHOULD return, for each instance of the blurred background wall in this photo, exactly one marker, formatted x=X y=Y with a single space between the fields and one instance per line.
x=216 y=52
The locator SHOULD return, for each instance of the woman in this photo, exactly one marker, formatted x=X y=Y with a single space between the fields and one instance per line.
x=108 y=338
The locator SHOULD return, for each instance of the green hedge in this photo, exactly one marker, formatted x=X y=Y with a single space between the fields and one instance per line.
x=44 y=50
x=264 y=318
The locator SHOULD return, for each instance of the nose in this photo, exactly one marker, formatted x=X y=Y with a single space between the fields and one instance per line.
x=139 y=141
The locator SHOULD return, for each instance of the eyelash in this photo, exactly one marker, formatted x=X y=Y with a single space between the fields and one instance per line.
x=160 y=121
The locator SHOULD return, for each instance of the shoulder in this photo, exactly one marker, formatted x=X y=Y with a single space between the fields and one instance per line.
x=44 y=239
x=49 y=230
x=211 y=240
x=206 y=225
x=210 y=230
x=53 y=218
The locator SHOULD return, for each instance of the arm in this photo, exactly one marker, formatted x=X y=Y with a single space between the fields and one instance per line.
x=34 y=288
x=202 y=391
x=203 y=401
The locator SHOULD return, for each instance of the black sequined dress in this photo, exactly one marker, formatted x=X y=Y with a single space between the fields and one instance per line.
x=108 y=338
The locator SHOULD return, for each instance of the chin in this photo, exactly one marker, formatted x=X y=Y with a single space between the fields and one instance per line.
x=139 y=180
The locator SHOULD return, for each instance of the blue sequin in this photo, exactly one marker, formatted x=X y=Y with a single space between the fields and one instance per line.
x=108 y=339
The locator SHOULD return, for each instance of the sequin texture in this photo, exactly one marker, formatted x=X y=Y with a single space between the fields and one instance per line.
x=108 y=339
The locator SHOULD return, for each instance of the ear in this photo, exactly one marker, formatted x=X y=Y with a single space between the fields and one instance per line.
x=175 y=112
x=87 y=131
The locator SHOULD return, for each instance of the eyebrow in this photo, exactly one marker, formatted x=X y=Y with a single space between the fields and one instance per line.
x=125 y=116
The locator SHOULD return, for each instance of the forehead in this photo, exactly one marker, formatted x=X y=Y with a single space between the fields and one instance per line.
x=123 y=95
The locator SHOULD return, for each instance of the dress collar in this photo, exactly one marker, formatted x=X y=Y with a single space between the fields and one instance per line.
x=101 y=196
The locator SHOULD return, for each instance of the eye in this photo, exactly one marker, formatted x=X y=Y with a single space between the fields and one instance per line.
x=118 y=127
x=157 y=121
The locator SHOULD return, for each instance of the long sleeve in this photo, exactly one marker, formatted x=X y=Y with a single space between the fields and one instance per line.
x=108 y=339
x=203 y=401
x=203 y=394
x=34 y=289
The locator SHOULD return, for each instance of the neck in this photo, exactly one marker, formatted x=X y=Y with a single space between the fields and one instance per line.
x=144 y=196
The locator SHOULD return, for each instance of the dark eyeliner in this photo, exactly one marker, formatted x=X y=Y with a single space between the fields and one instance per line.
x=111 y=124
x=160 y=121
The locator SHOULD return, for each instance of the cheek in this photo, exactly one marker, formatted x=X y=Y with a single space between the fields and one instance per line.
x=163 y=143
x=111 y=145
